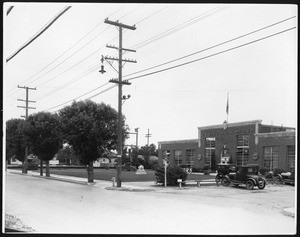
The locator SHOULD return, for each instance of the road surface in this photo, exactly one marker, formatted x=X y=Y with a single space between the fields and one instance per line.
x=50 y=206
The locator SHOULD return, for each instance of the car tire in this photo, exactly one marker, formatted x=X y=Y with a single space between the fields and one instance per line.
x=262 y=185
x=249 y=184
x=225 y=182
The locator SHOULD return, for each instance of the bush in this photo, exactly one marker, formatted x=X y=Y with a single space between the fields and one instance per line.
x=263 y=171
x=277 y=171
x=269 y=175
x=206 y=172
x=173 y=173
x=196 y=170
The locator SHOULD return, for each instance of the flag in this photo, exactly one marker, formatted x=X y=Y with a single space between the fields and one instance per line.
x=227 y=105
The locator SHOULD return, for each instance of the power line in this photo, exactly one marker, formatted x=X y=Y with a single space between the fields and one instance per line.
x=39 y=33
x=76 y=97
x=214 y=46
x=70 y=49
x=87 y=57
x=140 y=43
x=9 y=9
x=169 y=68
x=209 y=56
x=179 y=27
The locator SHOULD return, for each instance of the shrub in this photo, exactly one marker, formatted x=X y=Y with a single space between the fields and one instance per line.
x=196 y=170
x=268 y=175
x=263 y=171
x=173 y=173
x=205 y=167
x=277 y=171
x=206 y=172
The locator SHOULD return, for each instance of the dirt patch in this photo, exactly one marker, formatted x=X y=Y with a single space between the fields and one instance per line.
x=12 y=222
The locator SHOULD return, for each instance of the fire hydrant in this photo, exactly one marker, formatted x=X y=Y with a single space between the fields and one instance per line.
x=114 y=181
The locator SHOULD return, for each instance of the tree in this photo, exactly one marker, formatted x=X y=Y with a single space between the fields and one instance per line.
x=16 y=140
x=91 y=129
x=67 y=155
x=147 y=151
x=45 y=137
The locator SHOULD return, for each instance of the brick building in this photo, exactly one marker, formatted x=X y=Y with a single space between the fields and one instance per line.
x=248 y=142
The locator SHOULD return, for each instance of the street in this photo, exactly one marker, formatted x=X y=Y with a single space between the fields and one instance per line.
x=50 y=206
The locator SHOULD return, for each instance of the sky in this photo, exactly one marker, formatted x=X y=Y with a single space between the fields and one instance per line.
x=172 y=94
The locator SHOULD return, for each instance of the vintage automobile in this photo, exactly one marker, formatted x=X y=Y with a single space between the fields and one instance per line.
x=127 y=166
x=223 y=170
x=287 y=178
x=245 y=174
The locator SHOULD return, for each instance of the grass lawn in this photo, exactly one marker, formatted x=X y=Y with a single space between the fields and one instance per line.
x=126 y=176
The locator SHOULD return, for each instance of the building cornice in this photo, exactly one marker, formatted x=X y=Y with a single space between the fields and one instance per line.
x=178 y=141
x=276 y=134
x=230 y=124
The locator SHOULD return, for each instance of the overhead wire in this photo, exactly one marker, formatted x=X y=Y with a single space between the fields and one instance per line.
x=69 y=49
x=173 y=28
x=89 y=70
x=199 y=59
x=41 y=31
x=203 y=57
x=214 y=46
x=79 y=50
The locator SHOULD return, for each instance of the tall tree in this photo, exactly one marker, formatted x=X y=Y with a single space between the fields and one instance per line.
x=16 y=140
x=67 y=155
x=45 y=137
x=91 y=129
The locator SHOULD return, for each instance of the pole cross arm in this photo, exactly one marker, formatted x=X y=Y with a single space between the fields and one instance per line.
x=117 y=23
x=114 y=47
x=120 y=60
x=26 y=107
x=125 y=82
x=27 y=100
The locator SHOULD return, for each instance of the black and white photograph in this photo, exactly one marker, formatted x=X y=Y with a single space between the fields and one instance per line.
x=150 y=118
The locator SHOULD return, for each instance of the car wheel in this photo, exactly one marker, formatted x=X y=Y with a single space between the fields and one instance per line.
x=225 y=182
x=249 y=184
x=261 y=184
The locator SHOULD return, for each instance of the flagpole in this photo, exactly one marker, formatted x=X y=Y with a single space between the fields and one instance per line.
x=227 y=106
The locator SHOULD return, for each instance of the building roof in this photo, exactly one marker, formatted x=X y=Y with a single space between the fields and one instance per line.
x=231 y=124
x=179 y=141
x=277 y=134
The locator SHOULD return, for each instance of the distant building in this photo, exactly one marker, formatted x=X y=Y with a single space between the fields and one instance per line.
x=249 y=142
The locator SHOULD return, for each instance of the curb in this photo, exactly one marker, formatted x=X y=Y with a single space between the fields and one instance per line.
x=129 y=189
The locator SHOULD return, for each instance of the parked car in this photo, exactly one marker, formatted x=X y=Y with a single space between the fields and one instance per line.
x=223 y=170
x=245 y=174
x=286 y=178
x=127 y=166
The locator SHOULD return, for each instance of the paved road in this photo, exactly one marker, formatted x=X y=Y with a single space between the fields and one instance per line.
x=50 y=206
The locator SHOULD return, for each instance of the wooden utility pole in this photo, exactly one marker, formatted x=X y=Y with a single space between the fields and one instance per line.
x=26 y=107
x=120 y=82
x=148 y=135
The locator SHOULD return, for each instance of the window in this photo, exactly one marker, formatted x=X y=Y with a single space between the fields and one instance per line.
x=190 y=156
x=178 y=157
x=270 y=157
x=242 y=156
x=210 y=147
x=291 y=157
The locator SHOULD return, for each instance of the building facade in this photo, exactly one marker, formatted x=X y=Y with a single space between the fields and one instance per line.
x=240 y=143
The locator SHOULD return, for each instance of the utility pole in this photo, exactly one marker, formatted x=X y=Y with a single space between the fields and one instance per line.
x=148 y=135
x=26 y=107
x=120 y=83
